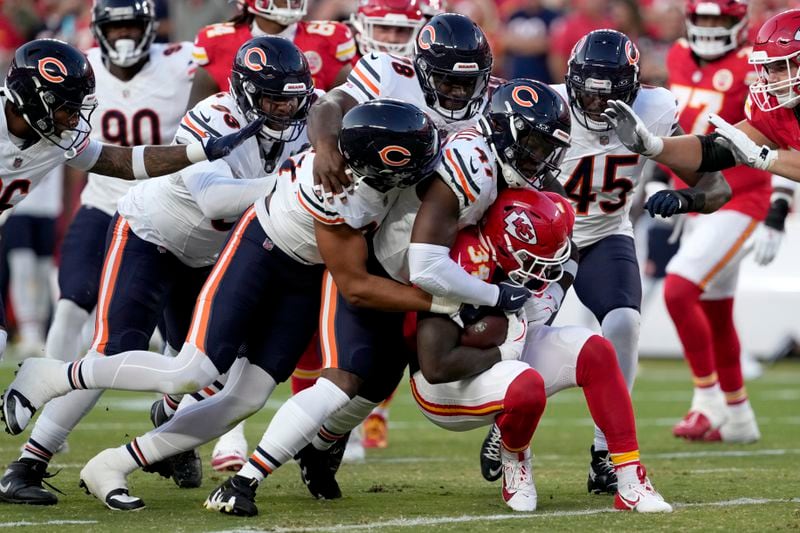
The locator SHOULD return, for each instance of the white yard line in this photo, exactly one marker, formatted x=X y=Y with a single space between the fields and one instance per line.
x=48 y=523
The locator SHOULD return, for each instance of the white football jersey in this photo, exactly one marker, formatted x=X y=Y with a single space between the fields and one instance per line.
x=164 y=212
x=382 y=75
x=288 y=218
x=600 y=174
x=469 y=168
x=47 y=200
x=144 y=110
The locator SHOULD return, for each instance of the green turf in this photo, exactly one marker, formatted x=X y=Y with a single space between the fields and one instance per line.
x=428 y=473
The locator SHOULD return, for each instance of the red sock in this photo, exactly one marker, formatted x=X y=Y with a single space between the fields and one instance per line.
x=523 y=406
x=606 y=394
x=308 y=367
x=683 y=303
x=727 y=350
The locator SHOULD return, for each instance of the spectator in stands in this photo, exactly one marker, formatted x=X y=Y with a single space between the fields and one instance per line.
x=526 y=39
x=585 y=16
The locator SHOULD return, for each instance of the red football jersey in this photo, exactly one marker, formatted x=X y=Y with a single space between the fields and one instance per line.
x=328 y=46
x=780 y=126
x=472 y=255
x=719 y=87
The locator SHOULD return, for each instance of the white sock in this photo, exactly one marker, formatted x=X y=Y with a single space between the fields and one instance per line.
x=708 y=395
x=628 y=473
x=293 y=426
x=64 y=338
x=342 y=421
x=740 y=410
x=24 y=287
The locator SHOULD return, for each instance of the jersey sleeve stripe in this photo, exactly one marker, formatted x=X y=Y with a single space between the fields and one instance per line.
x=358 y=73
x=461 y=177
x=371 y=70
x=204 y=124
x=347 y=53
x=352 y=80
x=454 y=181
x=326 y=217
x=473 y=185
x=189 y=126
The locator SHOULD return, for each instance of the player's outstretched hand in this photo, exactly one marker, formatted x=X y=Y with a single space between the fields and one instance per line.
x=517 y=330
x=512 y=296
x=631 y=130
x=221 y=146
x=330 y=178
x=744 y=150
x=766 y=243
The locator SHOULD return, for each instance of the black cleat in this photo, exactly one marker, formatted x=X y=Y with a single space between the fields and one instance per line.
x=186 y=468
x=22 y=483
x=157 y=415
x=318 y=469
x=602 y=477
x=491 y=463
x=236 y=496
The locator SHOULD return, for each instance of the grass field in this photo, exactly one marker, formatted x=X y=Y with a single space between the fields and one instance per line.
x=429 y=478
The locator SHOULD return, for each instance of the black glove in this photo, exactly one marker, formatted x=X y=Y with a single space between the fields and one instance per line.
x=776 y=216
x=217 y=148
x=667 y=202
x=512 y=296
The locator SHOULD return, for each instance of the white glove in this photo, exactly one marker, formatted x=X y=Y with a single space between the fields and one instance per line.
x=444 y=306
x=630 y=129
x=744 y=150
x=511 y=349
x=3 y=339
x=766 y=243
x=540 y=307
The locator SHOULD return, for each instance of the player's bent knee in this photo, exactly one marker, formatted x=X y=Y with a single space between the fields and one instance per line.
x=596 y=357
x=526 y=393
x=191 y=370
x=679 y=292
x=347 y=382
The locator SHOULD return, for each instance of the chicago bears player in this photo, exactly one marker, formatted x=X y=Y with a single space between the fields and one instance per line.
x=138 y=106
x=598 y=174
x=271 y=315
x=48 y=99
x=709 y=73
x=169 y=231
x=525 y=236
x=328 y=46
x=448 y=78
x=389 y=26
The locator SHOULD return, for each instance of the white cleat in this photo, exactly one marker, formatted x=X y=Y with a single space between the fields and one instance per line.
x=230 y=451
x=105 y=480
x=354 y=452
x=639 y=495
x=741 y=428
x=35 y=384
x=519 y=491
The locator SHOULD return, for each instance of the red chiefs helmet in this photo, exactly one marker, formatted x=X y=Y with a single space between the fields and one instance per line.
x=711 y=42
x=293 y=11
x=431 y=8
x=391 y=13
x=777 y=50
x=528 y=235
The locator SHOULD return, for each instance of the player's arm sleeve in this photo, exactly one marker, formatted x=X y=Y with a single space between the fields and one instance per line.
x=88 y=154
x=433 y=270
x=220 y=195
x=200 y=50
x=345 y=44
x=365 y=81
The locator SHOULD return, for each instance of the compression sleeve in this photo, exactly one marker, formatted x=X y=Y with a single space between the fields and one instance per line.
x=220 y=195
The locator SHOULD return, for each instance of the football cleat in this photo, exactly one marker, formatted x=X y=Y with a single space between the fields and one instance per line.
x=32 y=387
x=230 y=451
x=640 y=495
x=102 y=478
x=22 y=483
x=740 y=428
x=491 y=463
x=187 y=469
x=376 y=431
x=602 y=478
x=694 y=426
x=158 y=416
x=519 y=491
x=318 y=469
x=236 y=496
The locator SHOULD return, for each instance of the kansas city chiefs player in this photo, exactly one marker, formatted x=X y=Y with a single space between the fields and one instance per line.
x=387 y=26
x=709 y=73
x=329 y=46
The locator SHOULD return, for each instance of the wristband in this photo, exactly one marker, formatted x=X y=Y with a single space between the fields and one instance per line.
x=195 y=153
x=443 y=306
x=139 y=170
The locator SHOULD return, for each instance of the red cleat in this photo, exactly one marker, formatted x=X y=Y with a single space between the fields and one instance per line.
x=376 y=432
x=694 y=426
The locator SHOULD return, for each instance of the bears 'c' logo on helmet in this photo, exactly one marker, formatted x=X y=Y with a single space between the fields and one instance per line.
x=426 y=37
x=255 y=59
x=52 y=69
x=632 y=53
x=518 y=95
x=394 y=160
x=519 y=226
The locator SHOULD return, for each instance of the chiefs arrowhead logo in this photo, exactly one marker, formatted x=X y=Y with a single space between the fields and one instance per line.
x=519 y=226
x=52 y=69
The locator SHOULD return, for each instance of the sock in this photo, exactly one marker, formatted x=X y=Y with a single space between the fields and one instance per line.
x=25 y=288
x=293 y=426
x=170 y=403
x=344 y=420
x=64 y=339
x=727 y=350
x=621 y=327
x=607 y=395
x=691 y=322
x=45 y=272
x=308 y=367
x=523 y=405
x=629 y=470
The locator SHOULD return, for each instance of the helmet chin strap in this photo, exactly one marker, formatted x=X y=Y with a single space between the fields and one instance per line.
x=124 y=53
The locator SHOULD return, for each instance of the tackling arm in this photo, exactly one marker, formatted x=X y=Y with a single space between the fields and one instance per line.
x=324 y=124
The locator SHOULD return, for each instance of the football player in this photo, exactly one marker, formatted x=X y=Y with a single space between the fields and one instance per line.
x=262 y=299
x=328 y=46
x=48 y=99
x=709 y=73
x=169 y=231
x=525 y=236
x=599 y=174
x=389 y=26
x=140 y=105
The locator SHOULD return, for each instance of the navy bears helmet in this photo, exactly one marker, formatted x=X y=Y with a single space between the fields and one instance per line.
x=604 y=66
x=389 y=144
x=271 y=78
x=124 y=52
x=453 y=62
x=528 y=127
x=47 y=76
